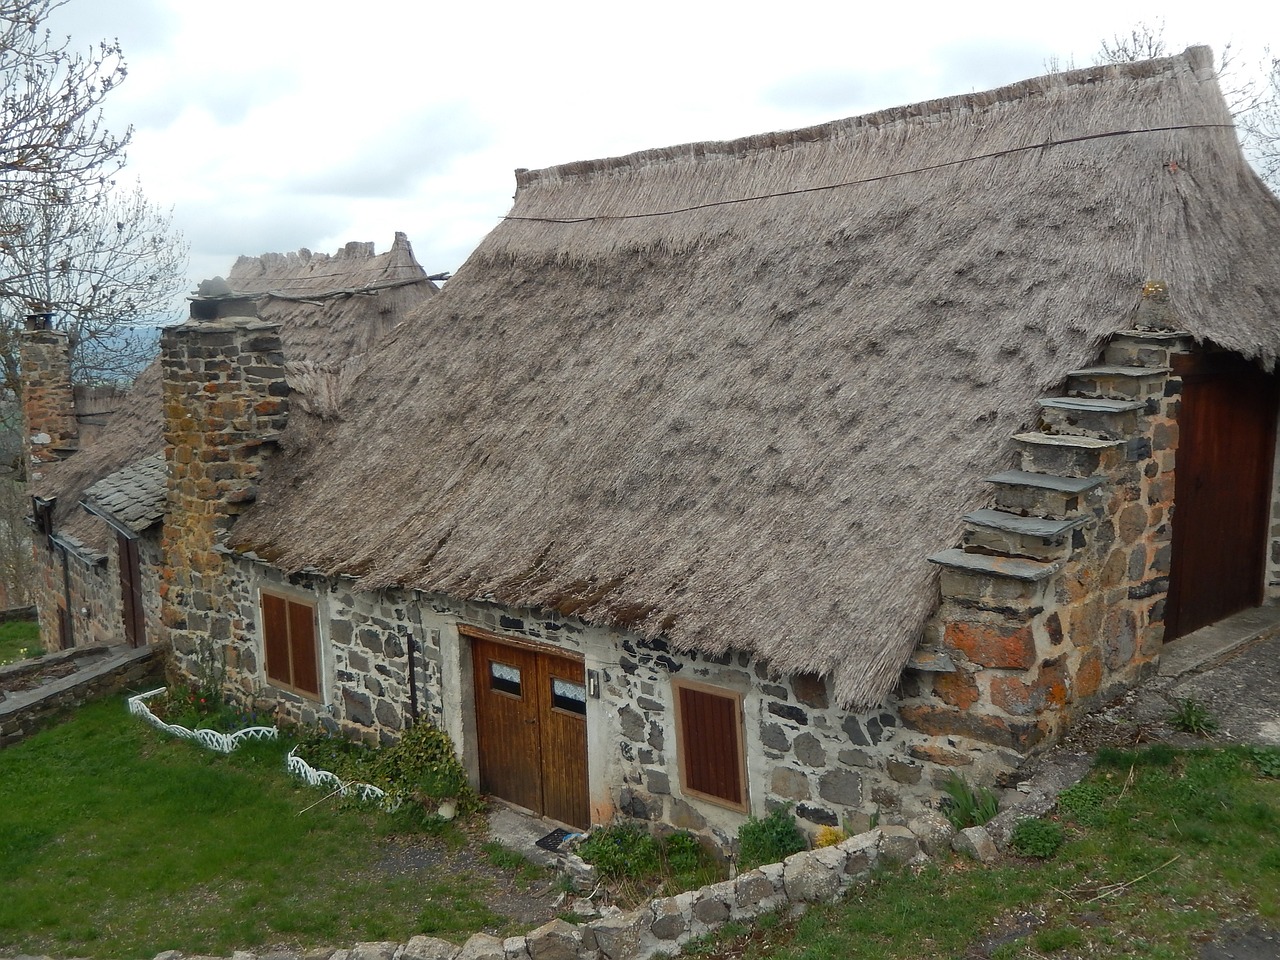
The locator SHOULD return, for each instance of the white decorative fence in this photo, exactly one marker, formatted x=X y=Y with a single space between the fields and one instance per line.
x=331 y=781
x=227 y=742
x=212 y=739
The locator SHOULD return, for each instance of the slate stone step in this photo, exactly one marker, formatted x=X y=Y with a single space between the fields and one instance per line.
x=1091 y=404
x=1067 y=455
x=1118 y=381
x=1042 y=494
x=983 y=581
x=1046 y=481
x=1146 y=348
x=1014 y=568
x=1038 y=538
x=1091 y=416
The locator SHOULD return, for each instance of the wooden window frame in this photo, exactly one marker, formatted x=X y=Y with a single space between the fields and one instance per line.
x=739 y=747
x=309 y=604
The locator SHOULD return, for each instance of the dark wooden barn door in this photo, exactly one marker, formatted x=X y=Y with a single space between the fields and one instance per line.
x=135 y=621
x=1222 y=490
x=531 y=728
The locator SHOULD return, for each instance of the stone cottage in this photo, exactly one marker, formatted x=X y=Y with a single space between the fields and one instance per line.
x=811 y=468
x=98 y=506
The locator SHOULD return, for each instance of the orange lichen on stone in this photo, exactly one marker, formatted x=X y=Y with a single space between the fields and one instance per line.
x=992 y=645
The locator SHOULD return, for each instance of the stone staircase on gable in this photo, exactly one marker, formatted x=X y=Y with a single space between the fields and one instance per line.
x=1040 y=511
x=1054 y=596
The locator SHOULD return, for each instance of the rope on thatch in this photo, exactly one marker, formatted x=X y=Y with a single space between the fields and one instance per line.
x=318 y=298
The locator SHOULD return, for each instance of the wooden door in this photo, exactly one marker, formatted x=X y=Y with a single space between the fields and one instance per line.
x=564 y=740
x=135 y=621
x=531 y=729
x=1222 y=490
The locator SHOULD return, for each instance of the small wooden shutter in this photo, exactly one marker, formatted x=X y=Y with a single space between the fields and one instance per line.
x=711 y=744
x=302 y=645
x=275 y=637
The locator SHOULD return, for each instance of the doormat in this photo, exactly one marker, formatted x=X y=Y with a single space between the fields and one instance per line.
x=551 y=842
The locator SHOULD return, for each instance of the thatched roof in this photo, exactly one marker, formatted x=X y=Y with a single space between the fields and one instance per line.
x=734 y=394
x=332 y=308
x=335 y=307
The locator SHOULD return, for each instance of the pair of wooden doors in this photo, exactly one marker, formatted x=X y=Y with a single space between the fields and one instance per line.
x=1222 y=490
x=531 y=727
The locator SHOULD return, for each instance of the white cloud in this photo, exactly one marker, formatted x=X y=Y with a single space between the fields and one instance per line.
x=276 y=124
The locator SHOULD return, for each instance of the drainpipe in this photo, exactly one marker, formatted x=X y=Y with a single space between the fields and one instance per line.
x=413 y=679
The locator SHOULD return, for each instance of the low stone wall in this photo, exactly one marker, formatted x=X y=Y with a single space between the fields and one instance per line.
x=94 y=672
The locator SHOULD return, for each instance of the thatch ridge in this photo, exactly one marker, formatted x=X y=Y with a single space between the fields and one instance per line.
x=1199 y=59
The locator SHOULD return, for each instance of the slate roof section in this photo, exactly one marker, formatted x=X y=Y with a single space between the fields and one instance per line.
x=133 y=496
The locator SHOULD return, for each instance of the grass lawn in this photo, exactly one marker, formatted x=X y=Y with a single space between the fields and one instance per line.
x=116 y=841
x=1162 y=847
x=19 y=639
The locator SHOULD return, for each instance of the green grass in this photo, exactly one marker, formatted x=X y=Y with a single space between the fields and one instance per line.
x=19 y=639
x=118 y=842
x=1162 y=847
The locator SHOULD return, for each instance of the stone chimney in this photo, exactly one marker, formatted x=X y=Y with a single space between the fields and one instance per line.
x=48 y=403
x=225 y=402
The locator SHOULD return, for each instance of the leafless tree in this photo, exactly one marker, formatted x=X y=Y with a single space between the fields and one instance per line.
x=99 y=258
x=52 y=140
x=1261 y=126
x=101 y=265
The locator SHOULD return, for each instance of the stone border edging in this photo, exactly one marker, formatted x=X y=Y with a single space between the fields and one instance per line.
x=664 y=925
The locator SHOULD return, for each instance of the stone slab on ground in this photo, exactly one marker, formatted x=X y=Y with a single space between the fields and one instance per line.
x=1209 y=646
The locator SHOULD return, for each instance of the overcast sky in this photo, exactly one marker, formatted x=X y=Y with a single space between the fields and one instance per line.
x=270 y=125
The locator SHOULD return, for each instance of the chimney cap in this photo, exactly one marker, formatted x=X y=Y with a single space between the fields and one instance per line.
x=214 y=287
x=215 y=300
x=39 y=320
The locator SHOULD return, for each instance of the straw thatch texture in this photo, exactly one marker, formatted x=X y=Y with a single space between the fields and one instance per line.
x=746 y=425
x=332 y=308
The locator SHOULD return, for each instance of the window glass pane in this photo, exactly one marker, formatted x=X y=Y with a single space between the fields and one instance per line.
x=504 y=678
x=568 y=695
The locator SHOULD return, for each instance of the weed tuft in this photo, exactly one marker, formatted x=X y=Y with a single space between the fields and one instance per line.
x=1036 y=838
x=1190 y=716
x=770 y=840
x=967 y=806
x=1084 y=802
x=1266 y=760
x=637 y=863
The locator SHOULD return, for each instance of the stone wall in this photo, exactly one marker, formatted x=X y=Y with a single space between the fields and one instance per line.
x=66 y=680
x=95 y=610
x=69 y=580
x=834 y=767
x=364 y=643
x=225 y=399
